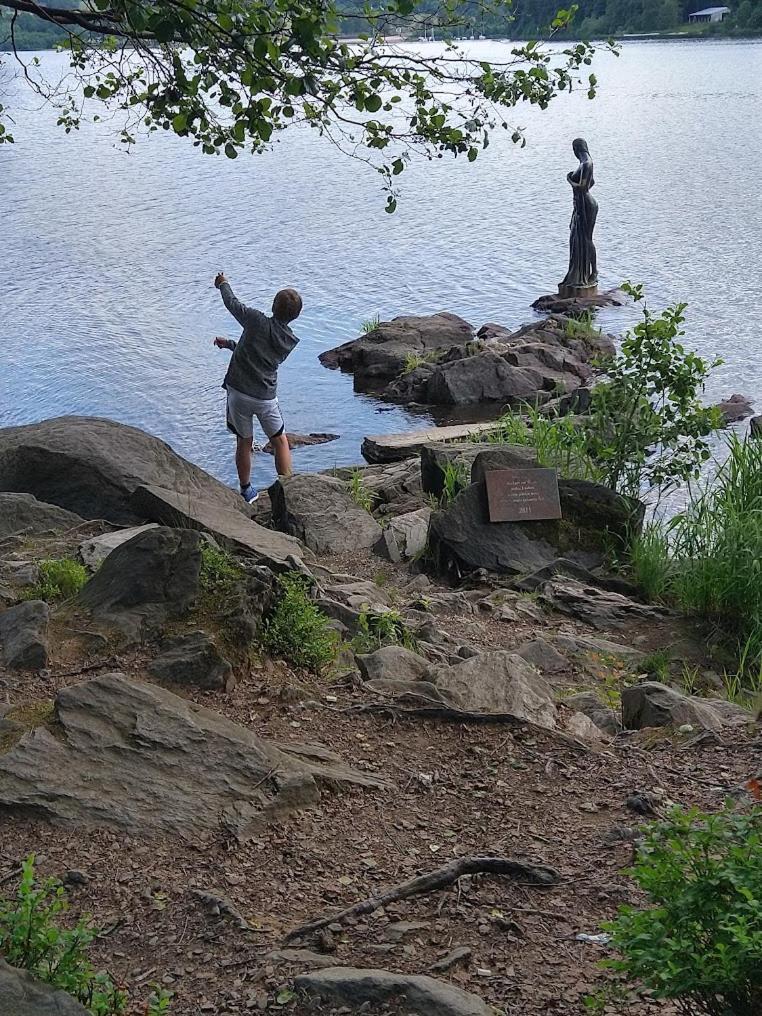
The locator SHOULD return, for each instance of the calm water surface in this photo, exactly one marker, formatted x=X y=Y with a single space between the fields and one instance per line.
x=106 y=305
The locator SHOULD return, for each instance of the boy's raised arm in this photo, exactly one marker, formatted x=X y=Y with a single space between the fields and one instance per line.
x=239 y=310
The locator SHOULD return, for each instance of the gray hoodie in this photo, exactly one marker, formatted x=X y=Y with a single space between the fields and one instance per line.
x=264 y=344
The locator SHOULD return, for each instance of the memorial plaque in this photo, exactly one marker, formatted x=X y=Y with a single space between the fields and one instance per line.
x=521 y=495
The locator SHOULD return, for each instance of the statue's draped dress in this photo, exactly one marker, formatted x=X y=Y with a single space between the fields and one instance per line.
x=583 y=268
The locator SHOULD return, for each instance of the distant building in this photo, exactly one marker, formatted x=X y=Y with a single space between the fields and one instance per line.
x=709 y=14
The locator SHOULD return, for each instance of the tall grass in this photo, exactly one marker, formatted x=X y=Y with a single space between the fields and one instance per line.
x=708 y=559
x=560 y=443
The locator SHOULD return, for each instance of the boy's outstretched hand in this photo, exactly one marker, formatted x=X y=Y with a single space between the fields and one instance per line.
x=221 y=343
x=219 y=279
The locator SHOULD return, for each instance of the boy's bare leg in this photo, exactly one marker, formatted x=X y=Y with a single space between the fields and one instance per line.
x=243 y=460
x=282 y=455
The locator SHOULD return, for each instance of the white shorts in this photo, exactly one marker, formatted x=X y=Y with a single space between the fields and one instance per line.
x=242 y=409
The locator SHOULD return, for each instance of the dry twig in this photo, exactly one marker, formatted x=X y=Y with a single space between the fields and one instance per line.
x=438 y=879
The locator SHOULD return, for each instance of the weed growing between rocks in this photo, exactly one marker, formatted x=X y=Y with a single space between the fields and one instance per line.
x=359 y=492
x=700 y=942
x=371 y=324
x=60 y=579
x=219 y=571
x=296 y=630
x=32 y=938
x=456 y=478
x=385 y=628
x=414 y=360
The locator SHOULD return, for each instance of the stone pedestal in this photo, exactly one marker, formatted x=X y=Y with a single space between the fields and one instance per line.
x=576 y=292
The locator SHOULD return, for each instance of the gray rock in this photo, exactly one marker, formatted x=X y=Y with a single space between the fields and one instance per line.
x=319 y=510
x=137 y=758
x=406 y=536
x=583 y=728
x=419 y=692
x=152 y=578
x=598 y=607
x=462 y=538
x=94 y=551
x=735 y=408
x=562 y=566
x=380 y=355
x=486 y=377
x=23 y=513
x=655 y=705
x=588 y=703
x=92 y=467
x=755 y=426
x=24 y=635
x=193 y=659
x=436 y=456
x=394 y=663
x=544 y=656
x=425 y=996
x=229 y=528
x=23 y=995
x=499 y=682
x=502 y=456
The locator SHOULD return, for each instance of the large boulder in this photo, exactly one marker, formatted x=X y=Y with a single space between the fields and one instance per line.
x=462 y=538
x=229 y=528
x=23 y=995
x=381 y=354
x=24 y=636
x=137 y=758
x=92 y=466
x=357 y=989
x=192 y=659
x=498 y=682
x=24 y=514
x=152 y=578
x=652 y=704
x=486 y=377
x=394 y=663
x=320 y=511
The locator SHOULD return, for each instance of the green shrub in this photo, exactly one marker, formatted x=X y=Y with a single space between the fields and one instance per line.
x=219 y=570
x=359 y=492
x=296 y=630
x=700 y=942
x=60 y=578
x=382 y=628
x=32 y=939
x=561 y=443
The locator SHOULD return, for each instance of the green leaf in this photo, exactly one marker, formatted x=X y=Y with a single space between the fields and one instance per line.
x=180 y=123
x=231 y=151
x=373 y=103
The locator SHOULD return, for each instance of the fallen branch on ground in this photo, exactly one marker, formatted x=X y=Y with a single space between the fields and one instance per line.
x=439 y=879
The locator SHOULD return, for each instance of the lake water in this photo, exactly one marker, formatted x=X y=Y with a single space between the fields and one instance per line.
x=107 y=306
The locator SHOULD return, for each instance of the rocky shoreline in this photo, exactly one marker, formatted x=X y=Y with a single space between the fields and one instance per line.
x=499 y=692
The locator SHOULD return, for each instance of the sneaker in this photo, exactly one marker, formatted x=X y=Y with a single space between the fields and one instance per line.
x=249 y=494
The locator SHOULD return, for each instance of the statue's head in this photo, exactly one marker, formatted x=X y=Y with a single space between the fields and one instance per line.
x=579 y=145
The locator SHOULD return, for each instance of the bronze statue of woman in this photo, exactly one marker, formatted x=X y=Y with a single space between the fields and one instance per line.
x=583 y=266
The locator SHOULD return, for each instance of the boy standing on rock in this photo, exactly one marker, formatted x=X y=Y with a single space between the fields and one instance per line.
x=252 y=377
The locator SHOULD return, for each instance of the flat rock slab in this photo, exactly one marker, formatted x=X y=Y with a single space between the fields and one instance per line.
x=23 y=636
x=95 y=550
x=92 y=466
x=601 y=608
x=381 y=448
x=572 y=305
x=320 y=511
x=136 y=757
x=229 y=528
x=23 y=513
x=424 y=996
x=23 y=995
x=303 y=441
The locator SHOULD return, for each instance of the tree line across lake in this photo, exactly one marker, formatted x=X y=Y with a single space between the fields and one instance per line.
x=531 y=19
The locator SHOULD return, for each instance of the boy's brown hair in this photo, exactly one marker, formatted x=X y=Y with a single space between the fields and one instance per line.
x=287 y=305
